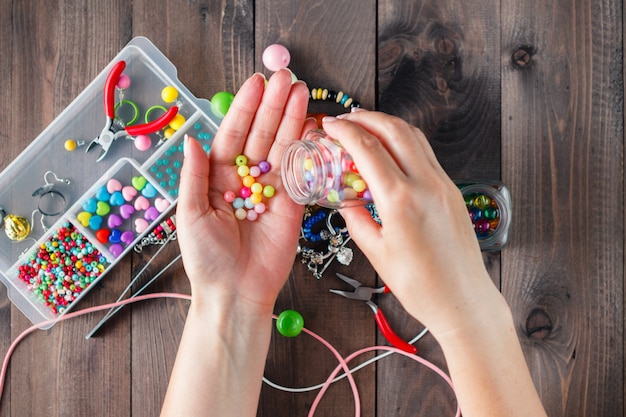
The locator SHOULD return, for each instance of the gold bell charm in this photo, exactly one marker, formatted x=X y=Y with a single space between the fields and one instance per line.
x=17 y=228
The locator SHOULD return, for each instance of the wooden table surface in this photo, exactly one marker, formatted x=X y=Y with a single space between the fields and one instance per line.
x=526 y=92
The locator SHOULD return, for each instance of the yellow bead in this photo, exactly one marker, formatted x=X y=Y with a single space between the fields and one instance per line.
x=308 y=164
x=349 y=178
x=169 y=94
x=248 y=181
x=178 y=121
x=333 y=196
x=69 y=145
x=256 y=188
x=256 y=198
x=243 y=170
x=359 y=185
x=168 y=133
x=339 y=97
x=319 y=93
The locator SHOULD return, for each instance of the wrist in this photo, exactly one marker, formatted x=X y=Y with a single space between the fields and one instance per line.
x=490 y=319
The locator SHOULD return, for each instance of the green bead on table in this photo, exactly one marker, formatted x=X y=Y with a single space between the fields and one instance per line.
x=290 y=323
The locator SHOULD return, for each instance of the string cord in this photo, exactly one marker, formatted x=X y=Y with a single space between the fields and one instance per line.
x=343 y=363
x=341 y=376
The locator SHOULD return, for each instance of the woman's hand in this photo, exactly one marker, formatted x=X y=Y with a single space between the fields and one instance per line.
x=239 y=259
x=426 y=250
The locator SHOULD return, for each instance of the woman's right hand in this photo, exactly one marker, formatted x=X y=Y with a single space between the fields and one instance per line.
x=425 y=250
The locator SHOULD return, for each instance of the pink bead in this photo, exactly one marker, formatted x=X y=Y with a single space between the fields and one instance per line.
x=255 y=171
x=142 y=142
x=276 y=57
x=245 y=192
x=123 y=81
x=252 y=215
x=229 y=196
x=259 y=208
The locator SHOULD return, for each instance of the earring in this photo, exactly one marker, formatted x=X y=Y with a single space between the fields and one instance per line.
x=16 y=227
x=50 y=202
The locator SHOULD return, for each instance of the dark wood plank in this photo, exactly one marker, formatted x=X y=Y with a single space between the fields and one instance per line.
x=6 y=120
x=436 y=70
x=49 y=65
x=563 y=143
x=331 y=50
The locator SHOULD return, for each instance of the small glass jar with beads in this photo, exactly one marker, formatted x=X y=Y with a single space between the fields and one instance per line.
x=489 y=207
x=318 y=170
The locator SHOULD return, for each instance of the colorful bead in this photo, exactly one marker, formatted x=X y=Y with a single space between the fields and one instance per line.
x=290 y=323
x=484 y=213
x=241 y=160
x=229 y=196
x=338 y=97
x=221 y=102
x=275 y=57
x=250 y=195
x=264 y=166
x=169 y=94
x=62 y=267
x=70 y=145
x=142 y=142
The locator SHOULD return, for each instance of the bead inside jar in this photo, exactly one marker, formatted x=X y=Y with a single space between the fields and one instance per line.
x=318 y=170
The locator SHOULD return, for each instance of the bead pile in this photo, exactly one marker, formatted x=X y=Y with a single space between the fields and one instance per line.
x=118 y=212
x=351 y=186
x=62 y=267
x=484 y=212
x=248 y=202
x=167 y=168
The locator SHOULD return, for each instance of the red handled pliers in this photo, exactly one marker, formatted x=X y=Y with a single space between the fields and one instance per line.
x=113 y=128
x=364 y=293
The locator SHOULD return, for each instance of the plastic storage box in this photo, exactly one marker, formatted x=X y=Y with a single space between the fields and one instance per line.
x=85 y=215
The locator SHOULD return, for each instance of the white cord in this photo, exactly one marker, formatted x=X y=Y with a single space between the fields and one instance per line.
x=343 y=375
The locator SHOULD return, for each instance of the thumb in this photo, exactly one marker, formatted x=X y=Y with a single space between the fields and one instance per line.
x=194 y=179
x=364 y=230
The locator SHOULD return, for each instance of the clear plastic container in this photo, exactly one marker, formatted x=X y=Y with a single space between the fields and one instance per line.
x=489 y=206
x=317 y=170
x=22 y=182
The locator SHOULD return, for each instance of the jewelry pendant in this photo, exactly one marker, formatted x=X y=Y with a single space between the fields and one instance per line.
x=17 y=228
x=344 y=256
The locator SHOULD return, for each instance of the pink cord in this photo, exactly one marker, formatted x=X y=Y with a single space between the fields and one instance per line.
x=343 y=363
x=7 y=358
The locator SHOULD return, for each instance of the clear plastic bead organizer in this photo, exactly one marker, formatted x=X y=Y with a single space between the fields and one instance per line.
x=68 y=217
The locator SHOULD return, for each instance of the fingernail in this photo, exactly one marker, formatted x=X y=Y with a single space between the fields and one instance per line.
x=259 y=73
x=185 y=144
x=329 y=119
x=357 y=109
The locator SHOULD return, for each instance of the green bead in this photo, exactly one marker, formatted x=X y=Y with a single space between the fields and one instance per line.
x=221 y=101
x=290 y=323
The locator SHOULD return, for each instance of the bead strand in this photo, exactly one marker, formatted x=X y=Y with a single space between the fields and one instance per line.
x=338 y=97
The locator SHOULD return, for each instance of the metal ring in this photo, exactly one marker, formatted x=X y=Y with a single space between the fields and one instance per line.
x=53 y=193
